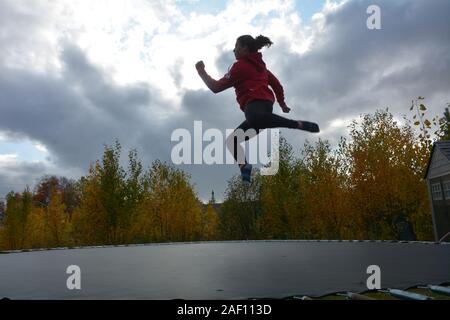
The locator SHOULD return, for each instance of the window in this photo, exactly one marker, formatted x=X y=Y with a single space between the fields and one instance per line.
x=436 y=191
x=447 y=189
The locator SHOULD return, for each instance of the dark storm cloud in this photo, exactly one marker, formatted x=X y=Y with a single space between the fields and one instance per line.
x=16 y=176
x=352 y=68
x=219 y=110
x=76 y=114
x=71 y=115
x=122 y=104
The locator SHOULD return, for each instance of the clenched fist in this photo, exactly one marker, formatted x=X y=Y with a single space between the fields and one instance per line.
x=200 y=65
x=285 y=108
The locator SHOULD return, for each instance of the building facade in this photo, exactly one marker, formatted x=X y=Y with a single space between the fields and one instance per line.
x=438 y=179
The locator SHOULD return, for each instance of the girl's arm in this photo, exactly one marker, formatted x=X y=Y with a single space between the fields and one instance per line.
x=214 y=85
x=278 y=89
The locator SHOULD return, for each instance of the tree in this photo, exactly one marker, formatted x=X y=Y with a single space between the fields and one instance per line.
x=2 y=209
x=89 y=220
x=110 y=197
x=282 y=198
x=325 y=192
x=210 y=220
x=444 y=125
x=112 y=193
x=18 y=208
x=57 y=221
x=44 y=189
x=37 y=229
x=170 y=210
x=68 y=188
x=210 y=223
x=386 y=177
x=135 y=188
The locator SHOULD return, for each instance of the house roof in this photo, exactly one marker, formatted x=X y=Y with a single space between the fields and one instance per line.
x=444 y=147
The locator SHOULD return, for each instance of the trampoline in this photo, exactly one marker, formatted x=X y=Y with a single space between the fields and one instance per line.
x=221 y=270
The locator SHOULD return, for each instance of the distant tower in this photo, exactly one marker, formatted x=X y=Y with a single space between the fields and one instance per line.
x=213 y=199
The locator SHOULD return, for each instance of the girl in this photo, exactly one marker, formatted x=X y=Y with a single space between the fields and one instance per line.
x=251 y=80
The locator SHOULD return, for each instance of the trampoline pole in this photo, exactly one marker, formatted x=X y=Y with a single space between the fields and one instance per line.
x=407 y=295
x=439 y=289
x=357 y=296
x=302 y=298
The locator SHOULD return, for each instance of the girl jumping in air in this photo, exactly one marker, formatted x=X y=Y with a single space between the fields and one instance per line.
x=251 y=80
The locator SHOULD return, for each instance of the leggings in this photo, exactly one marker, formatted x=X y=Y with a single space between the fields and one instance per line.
x=258 y=116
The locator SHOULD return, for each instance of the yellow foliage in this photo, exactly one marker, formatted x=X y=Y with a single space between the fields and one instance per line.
x=210 y=223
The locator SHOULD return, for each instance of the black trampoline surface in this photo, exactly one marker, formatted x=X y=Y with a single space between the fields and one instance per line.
x=221 y=270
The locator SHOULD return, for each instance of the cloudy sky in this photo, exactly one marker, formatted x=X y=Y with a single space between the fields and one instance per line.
x=76 y=75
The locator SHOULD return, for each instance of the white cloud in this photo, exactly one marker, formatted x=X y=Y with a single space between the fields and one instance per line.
x=141 y=40
x=8 y=159
x=41 y=147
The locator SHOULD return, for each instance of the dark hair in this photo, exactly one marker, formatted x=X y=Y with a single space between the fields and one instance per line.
x=254 y=44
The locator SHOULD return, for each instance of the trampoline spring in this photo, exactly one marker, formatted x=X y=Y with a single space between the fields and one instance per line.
x=407 y=295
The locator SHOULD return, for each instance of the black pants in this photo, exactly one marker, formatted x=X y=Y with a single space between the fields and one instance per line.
x=258 y=116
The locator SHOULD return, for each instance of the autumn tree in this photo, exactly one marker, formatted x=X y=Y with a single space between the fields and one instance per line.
x=283 y=199
x=424 y=143
x=110 y=198
x=37 y=230
x=443 y=133
x=18 y=208
x=325 y=193
x=386 y=180
x=57 y=221
x=170 y=210
x=67 y=188
x=210 y=221
x=44 y=188
x=2 y=216
x=99 y=218
x=426 y=137
x=241 y=210
x=89 y=223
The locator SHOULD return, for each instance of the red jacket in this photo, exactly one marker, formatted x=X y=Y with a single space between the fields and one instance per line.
x=250 y=79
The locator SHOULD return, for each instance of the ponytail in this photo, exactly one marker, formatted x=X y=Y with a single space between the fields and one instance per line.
x=262 y=41
x=254 y=44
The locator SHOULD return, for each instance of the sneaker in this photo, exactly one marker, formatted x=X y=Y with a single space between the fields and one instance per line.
x=310 y=126
x=246 y=172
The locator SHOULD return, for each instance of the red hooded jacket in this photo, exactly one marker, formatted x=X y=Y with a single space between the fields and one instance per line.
x=250 y=79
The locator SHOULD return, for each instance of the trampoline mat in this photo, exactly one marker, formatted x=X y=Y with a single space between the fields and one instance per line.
x=221 y=270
